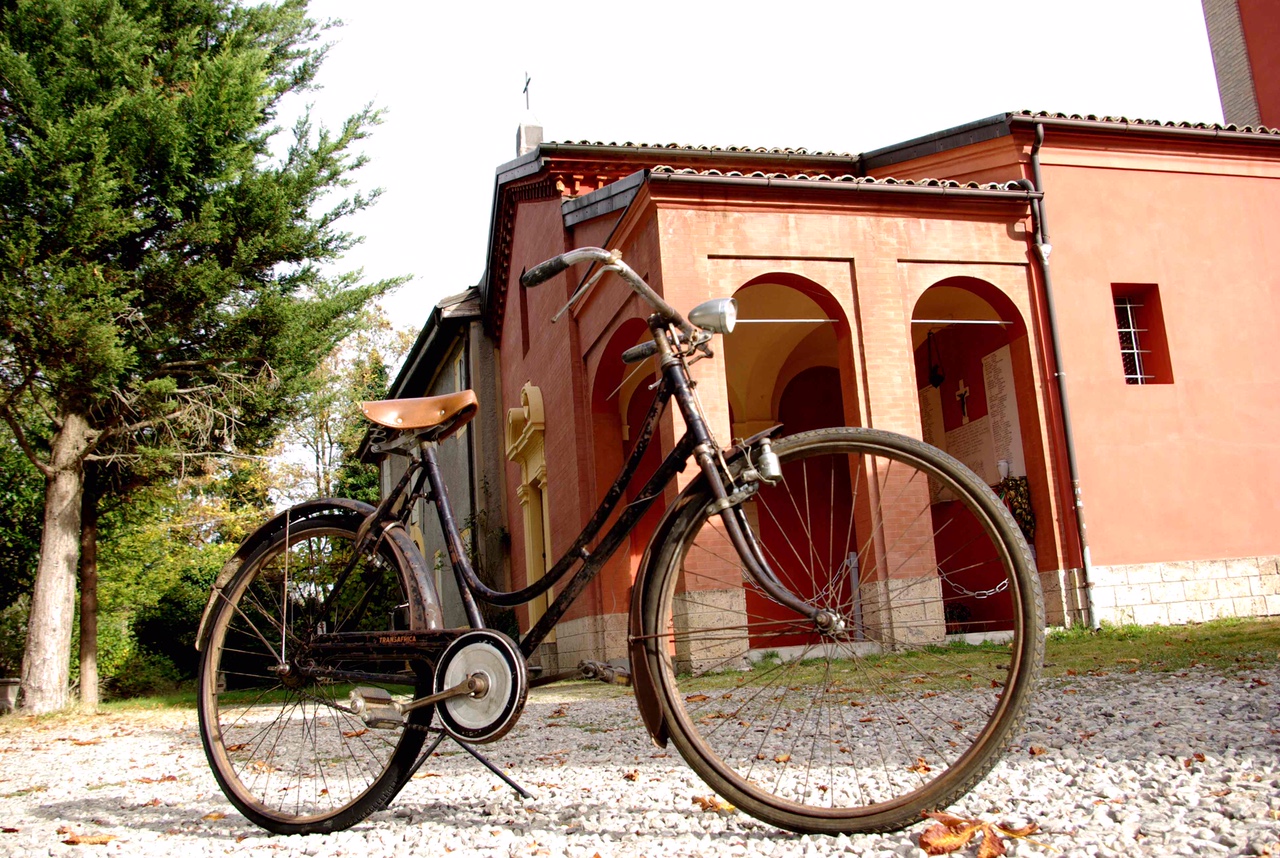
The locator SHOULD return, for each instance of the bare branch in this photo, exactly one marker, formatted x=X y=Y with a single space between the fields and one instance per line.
x=6 y=411
x=21 y=438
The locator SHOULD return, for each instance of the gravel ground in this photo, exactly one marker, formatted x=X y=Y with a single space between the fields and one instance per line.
x=1125 y=764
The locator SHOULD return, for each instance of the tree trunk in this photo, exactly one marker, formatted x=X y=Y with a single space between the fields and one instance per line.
x=46 y=665
x=89 y=599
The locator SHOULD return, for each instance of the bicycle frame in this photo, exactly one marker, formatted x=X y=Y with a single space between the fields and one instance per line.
x=697 y=443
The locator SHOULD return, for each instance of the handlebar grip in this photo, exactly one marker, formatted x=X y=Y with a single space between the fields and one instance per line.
x=543 y=271
x=640 y=352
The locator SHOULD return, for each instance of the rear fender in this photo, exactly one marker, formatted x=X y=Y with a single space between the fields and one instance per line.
x=424 y=604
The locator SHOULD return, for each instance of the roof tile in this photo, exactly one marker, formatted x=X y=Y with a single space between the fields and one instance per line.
x=846 y=178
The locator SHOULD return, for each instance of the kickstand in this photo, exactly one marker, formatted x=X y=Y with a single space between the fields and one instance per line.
x=524 y=793
x=440 y=737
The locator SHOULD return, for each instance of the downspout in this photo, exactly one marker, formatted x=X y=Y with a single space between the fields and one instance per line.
x=1043 y=248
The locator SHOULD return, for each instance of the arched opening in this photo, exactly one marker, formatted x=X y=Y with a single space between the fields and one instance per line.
x=972 y=373
x=787 y=326
x=788 y=362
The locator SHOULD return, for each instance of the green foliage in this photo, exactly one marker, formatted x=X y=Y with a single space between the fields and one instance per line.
x=22 y=506
x=157 y=269
x=162 y=546
x=142 y=674
x=1228 y=644
x=116 y=646
x=168 y=628
x=13 y=636
x=165 y=289
x=330 y=425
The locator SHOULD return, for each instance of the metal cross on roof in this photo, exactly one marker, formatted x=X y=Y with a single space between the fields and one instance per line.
x=527 y=79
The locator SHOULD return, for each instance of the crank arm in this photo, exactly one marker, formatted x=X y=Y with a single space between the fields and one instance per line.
x=475 y=685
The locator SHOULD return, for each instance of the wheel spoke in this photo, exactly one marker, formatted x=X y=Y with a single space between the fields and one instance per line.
x=894 y=711
x=286 y=749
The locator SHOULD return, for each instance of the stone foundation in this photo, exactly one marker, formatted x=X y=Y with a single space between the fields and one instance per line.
x=903 y=612
x=711 y=609
x=596 y=638
x=1186 y=592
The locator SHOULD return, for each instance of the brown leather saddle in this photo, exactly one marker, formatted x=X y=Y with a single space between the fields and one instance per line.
x=431 y=417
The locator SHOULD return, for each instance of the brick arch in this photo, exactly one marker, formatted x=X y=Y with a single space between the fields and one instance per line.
x=959 y=351
x=619 y=401
x=762 y=360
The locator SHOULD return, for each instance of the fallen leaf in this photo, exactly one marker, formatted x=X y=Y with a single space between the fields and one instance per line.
x=1025 y=831
x=89 y=839
x=632 y=776
x=83 y=742
x=713 y=804
x=1035 y=750
x=214 y=816
x=920 y=767
x=7 y=830
x=992 y=846
x=353 y=734
x=782 y=758
x=940 y=839
x=951 y=833
x=696 y=698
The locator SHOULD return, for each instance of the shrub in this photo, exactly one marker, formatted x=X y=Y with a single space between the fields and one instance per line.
x=13 y=636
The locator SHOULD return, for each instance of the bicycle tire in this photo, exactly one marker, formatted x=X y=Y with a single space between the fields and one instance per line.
x=284 y=749
x=909 y=705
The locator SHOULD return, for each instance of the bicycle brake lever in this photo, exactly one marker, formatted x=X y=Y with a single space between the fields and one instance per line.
x=591 y=281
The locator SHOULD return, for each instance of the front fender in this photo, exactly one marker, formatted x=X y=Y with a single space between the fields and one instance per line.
x=646 y=654
x=424 y=602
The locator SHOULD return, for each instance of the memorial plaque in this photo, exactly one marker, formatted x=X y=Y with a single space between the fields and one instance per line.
x=1002 y=409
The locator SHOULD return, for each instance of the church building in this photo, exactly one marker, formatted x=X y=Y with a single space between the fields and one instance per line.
x=1081 y=309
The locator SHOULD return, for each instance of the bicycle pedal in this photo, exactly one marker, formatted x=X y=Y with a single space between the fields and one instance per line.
x=376 y=708
x=610 y=674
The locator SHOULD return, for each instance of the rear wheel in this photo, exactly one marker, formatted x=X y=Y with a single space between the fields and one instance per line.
x=280 y=729
x=913 y=694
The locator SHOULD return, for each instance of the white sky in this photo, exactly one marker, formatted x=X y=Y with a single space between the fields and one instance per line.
x=847 y=76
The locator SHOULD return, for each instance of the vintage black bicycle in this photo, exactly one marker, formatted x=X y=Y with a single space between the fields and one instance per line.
x=837 y=629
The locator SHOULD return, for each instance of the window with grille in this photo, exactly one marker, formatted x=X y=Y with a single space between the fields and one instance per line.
x=1144 y=348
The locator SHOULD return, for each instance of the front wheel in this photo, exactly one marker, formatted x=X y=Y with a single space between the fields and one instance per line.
x=279 y=727
x=902 y=703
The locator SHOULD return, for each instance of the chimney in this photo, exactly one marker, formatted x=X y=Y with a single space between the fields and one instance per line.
x=529 y=136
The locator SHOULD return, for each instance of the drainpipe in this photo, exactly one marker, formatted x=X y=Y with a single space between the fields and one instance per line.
x=1043 y=249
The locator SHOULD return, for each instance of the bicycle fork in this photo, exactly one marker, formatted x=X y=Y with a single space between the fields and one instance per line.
x=729 y=505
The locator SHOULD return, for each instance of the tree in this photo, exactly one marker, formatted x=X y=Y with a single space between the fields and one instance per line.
x=162 y=289
x=330 y=425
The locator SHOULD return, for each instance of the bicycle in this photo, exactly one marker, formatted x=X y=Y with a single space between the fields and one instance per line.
x=836 y=629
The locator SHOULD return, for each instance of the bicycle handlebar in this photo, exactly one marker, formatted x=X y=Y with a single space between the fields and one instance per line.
x=612 y=261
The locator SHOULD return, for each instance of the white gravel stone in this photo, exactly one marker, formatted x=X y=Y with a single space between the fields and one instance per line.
x=1133 y=765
